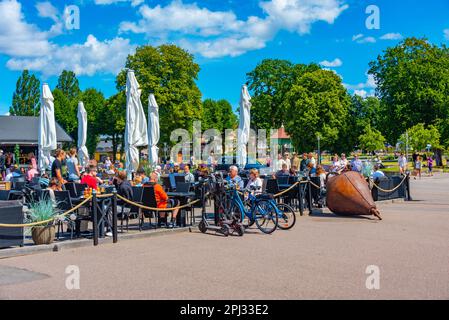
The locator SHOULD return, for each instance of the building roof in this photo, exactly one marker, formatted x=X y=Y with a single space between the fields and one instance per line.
x=25 y=130
x=280 y=134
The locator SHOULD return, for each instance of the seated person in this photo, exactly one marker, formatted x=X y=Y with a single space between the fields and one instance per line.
x=293 y=171
x=189 y=177
x=123 y=186
x=283 y=172
x=311 y=170
x=138 y=181
x=377 y=174
x=254 y=181
x=110 y=170
x=31 y=172
x=90 y=177
x=140 y=175
x=54 y=185
x=162 y=200
x=234 y=177
x=15 y=173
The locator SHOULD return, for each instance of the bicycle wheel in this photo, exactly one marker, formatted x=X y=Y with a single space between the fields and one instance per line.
x=286 y=216
x=265 y=216
x=236 y=213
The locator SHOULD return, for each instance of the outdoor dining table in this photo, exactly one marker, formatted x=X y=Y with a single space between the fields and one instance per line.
x=183 y=198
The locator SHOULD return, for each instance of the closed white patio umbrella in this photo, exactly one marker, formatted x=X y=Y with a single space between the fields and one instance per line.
x=153 y=130
x=83 y=154
x=136 y=124
x=47 y=140
x=244 y=127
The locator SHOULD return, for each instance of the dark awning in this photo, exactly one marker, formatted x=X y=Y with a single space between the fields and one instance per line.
x=25 y=131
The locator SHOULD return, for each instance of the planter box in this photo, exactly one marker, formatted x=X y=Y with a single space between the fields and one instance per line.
x=11 y=213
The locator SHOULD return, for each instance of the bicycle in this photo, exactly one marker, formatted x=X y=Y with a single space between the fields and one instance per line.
x=260 y=210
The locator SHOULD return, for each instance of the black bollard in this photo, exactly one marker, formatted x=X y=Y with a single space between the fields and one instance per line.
x=114 y=216
x=309 y=195
x=407 y=188
x=95 y=216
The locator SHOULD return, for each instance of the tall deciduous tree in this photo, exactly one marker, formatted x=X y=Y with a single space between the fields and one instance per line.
x=26 y=97
x=412 y=80
x=317 y=104
x=113 y=117
x=269 y=82
x=419 y=136
x=218 y=115
x=371 y=139
x=67 y=95
x=94 y=102
x=171 y=73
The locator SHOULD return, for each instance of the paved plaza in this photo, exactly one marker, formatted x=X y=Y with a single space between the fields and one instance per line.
x=323 y=257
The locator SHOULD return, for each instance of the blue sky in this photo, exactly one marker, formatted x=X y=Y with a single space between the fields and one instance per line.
x=228 y=38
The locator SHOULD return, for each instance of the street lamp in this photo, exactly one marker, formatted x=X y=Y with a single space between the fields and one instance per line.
x=319 y=150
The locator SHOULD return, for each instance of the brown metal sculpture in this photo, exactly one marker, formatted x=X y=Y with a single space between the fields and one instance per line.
x=348 y=194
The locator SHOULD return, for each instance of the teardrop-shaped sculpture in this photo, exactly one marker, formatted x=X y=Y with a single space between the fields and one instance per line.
x=348 y=194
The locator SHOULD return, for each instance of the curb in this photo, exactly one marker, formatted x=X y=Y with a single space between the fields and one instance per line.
x=74 y=244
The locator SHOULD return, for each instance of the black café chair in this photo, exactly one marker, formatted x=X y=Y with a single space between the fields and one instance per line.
x=4 y=195
x=63 y=203
x=80 y=187
x=71 y=188
x=179 y=178
x=128 y=210
x=166 y=183
x=183 y=187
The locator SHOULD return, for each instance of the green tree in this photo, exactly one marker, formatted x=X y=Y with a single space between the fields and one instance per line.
x=419 y=137
x=317 y=104
x=94 y=103
x=113 y=118
x=371 y=139
x=68 y=84
x=26 y=97
x=171 y=73
x=269 y=82
x=412 y=82
x=66 y=95
x=218 y=115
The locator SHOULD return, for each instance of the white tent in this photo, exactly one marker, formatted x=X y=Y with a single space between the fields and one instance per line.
x=244 y=127
x=136 y=124
x=47 y=128
x=153 y=130
x=83 y=154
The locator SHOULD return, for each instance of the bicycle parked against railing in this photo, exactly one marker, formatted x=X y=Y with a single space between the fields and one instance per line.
x=258 y=209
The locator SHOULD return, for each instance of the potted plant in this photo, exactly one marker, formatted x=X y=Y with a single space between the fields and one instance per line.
x=43 y=210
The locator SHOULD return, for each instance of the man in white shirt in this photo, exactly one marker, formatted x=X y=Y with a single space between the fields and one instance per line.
x=280 y=162
x=402 y=162
x=311 y=159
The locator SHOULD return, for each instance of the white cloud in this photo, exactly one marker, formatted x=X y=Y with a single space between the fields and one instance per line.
x=391 y=36
x=446 y=34
x=332 y=64
x=17 y=37
x=89 y=58
x=31 y=48
x=221 y=33
x=134 y=3
x=364 y=89
x=361 y=93
x=360 y=38
x=47 y=10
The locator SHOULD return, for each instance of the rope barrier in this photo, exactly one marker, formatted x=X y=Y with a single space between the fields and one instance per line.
x=156 y=209
x=286 y=190
x=46 y=221
x=315 y=185
x=389 y=191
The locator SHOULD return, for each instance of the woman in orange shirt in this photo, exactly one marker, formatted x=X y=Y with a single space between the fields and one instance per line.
x=162 y=199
